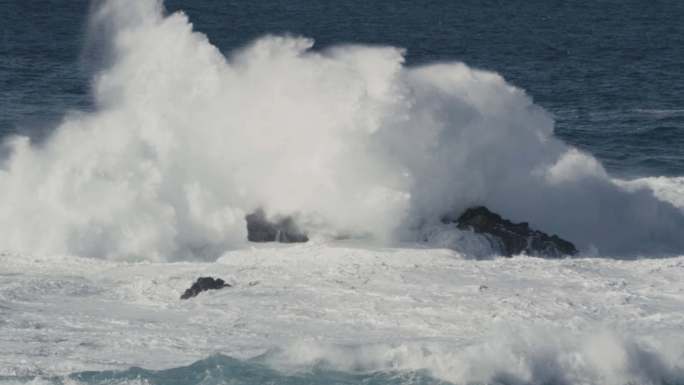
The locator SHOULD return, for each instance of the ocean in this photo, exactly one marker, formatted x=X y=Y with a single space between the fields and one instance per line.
x=609 y=71
x=138 y=134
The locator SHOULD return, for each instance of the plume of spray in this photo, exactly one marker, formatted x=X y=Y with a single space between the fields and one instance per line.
x=184 y=142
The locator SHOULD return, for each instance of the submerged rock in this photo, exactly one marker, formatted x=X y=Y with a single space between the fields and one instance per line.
x=512 y=238
x=204 y=284
x=260 y=229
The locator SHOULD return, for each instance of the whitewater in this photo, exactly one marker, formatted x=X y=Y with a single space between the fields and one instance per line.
x=106 y=222
x=355 y=310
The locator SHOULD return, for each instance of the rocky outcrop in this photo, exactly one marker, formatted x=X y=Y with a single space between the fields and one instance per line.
x=204 y=284
x=261 y=229
x=512 y=238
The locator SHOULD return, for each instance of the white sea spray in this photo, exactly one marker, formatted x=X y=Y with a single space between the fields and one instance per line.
x=184 y=142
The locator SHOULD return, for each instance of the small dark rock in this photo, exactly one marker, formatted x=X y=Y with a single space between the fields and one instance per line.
x=260 y=229
x=512 y=238
x=204 y=284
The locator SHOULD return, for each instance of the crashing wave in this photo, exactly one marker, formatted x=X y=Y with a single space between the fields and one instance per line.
x=185 y=142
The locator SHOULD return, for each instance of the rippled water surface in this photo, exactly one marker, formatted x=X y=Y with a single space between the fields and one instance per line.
x=610 y=71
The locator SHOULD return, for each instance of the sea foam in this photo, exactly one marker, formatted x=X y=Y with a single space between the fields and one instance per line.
x=184 y=142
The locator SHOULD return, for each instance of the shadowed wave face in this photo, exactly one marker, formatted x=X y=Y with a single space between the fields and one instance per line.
x=604 y=365
x=184 y=142
x=220 y=369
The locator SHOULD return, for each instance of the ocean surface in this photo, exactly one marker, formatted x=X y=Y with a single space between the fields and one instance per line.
x=135 y=139
x=610 y=71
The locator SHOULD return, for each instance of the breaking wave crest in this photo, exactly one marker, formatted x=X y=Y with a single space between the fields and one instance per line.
x=533 y=357
x=536 y=358
x=184 y=142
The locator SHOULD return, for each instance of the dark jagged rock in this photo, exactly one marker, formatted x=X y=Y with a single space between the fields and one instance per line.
x=512 y=238
x=204 y=284
x=260 y=229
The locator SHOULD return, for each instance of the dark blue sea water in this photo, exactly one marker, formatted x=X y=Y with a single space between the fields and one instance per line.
x=611 y=71
x=217 y=370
